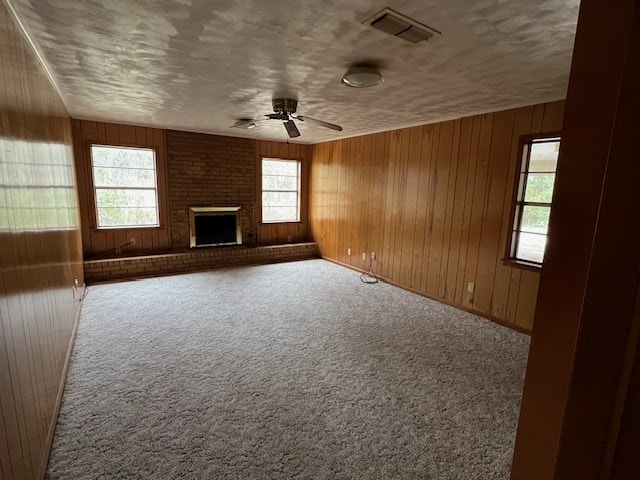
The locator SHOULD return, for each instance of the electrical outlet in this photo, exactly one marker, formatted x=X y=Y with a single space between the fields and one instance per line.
x=471 y=287
x=132 y=241
x=364 y=256
x=288 y=238
x=349 y=251
x=77 y=283
x=373 y=255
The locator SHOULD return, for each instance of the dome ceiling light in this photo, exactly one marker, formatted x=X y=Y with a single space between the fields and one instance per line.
x=362 y=77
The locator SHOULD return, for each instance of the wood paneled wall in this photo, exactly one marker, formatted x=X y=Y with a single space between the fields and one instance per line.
x=433 y=203
x=107 y=242
x=274 y=233
x=40 y=254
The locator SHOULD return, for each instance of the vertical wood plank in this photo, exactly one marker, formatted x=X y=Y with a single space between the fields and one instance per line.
x=504 y=277
x=382 y=149
x=450 y=201
x=127 y=134
x=441 y=183
x=429 y=169
x=493 y=203
x=421 y=207
x=459 y=198
x=390 y=212
x=414 y=147
x=478 y=204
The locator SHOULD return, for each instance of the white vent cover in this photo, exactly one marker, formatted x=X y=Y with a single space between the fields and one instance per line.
x=398 y=25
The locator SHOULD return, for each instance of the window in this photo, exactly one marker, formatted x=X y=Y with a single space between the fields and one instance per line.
x=280 y=190
x=535 y=183
x=125 y=186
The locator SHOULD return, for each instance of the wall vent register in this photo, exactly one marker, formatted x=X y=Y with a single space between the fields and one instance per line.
x=401 y=26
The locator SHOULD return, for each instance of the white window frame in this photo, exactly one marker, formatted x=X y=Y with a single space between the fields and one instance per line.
x=96 y=188
x=263 y=190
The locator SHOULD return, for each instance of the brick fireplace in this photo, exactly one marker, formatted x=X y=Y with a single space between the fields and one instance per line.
x=209 y=170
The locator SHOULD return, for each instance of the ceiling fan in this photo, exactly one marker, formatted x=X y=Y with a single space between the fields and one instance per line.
x=284 y=109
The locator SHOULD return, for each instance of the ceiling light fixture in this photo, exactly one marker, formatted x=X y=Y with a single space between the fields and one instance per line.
x=362 y=77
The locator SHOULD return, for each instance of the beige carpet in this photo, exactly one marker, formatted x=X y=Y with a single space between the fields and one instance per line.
x=295 y=370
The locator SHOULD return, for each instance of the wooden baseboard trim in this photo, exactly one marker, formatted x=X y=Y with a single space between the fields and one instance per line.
x=44 y=459
x=492 y=318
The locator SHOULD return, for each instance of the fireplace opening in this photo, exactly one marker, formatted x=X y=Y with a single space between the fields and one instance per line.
x=214 y=226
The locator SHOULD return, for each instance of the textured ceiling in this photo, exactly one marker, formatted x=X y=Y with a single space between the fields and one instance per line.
x=199 y=65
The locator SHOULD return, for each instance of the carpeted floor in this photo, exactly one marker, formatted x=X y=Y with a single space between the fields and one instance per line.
x=294 y=370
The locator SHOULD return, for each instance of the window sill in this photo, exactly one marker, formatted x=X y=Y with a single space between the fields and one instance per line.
x=131 y=227
x=278 y=222
x=511 y=262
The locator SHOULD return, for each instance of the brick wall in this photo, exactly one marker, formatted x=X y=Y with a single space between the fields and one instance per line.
x=205 y=170
x=194 y=260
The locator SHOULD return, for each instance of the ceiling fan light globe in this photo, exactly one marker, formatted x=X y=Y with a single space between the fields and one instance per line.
x=362 y=77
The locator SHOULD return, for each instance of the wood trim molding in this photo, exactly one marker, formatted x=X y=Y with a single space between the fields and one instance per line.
x=492 y=318
x=44 y=461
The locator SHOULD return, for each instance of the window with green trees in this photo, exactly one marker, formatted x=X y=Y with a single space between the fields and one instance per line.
x=280 y=190
x=534 y=193
x=125 y=184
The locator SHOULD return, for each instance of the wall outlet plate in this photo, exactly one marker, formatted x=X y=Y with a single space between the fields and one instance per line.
x=364 y=256
x=470 y=287
x=349 y=251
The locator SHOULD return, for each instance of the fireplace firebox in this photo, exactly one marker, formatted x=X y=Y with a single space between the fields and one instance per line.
x=214 y=226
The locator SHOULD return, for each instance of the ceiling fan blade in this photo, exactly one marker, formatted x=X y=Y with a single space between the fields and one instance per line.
x=292 y=130
x=245 y=123
x=248 y=123
x=332 y=126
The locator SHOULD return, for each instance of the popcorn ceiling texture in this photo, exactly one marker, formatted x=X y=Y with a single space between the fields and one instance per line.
x=296 y=370
x=198 y=65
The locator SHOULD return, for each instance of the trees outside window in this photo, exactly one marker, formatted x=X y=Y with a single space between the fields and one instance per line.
x=125 y=186
x=533 y=196
x=280 y=190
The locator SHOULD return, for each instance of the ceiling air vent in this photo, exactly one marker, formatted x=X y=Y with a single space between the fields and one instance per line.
x=398 y=25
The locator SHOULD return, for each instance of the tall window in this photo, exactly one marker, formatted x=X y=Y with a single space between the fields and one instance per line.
x=125 y=185
x=534 y=192
x=280 y=190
